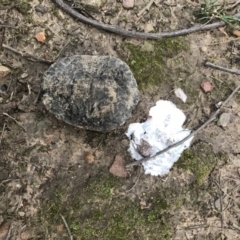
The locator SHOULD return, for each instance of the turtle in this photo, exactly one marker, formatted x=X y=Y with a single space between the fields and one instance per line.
x=96 y=93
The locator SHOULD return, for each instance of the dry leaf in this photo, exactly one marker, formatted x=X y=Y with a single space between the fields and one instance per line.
x=60 y=228
x=127 y=4
x=4 y=230
x=180 y=94
x=236 y=33
x=89 y=158
x=26 y=235
x=118 y=167
x=222 y=30
x=145 y=149
x=41 y=37
x=206 y=86
x=4 y=71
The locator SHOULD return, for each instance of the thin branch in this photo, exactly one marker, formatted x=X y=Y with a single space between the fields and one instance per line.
x=67 y=227
x=7 y=26
x=4 y=125
x=117 y=30
x=212 y=118
x=18 y=123
x=233 y=6
x=9 y=232
x=139 y=174
x=146 y=8
x=236 y=227
x=208 y=64
x=60 y=52
x=26 y=55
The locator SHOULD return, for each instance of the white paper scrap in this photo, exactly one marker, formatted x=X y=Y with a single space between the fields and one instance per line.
x=180 y=94
x=162 y=129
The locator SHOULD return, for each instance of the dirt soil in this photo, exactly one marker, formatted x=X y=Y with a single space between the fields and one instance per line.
x=44 y=175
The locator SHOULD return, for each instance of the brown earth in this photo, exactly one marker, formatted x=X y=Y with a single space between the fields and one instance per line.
x=44 y=175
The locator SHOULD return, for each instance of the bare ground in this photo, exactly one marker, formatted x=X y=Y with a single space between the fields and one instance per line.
x=43 y=173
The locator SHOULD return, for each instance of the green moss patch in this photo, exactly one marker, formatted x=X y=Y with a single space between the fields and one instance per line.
x=23 y=6
x=93 y=208
x=149 y=61
x=94 y=213
x=200 y=160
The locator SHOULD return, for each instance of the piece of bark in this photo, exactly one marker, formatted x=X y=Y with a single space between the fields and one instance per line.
x=118 y=167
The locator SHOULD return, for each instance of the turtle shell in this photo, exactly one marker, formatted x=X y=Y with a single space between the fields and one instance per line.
x=93 y=92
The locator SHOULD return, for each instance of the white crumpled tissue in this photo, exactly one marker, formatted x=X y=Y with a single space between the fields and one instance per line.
x=162 y=129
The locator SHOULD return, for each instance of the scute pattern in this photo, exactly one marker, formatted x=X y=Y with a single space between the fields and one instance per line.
x=94 y=92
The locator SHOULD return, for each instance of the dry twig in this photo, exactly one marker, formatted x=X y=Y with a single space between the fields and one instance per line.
x=60 y=52
x=18 y=123
x=213 y=117
x=117 y=30
x=26 y=55
x=9 y=232
x=234 y=5
x=208 y=64
x=67 y=227
x=139 y=174
x=7 y=26
x=146 y=8
x=4 y=125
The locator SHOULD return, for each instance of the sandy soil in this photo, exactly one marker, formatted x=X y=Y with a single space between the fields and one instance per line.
x=44 y=175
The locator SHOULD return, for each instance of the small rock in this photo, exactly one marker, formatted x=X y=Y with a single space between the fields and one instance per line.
x=95 y=4
x=21 y=214
x=144 y=148
x=4 y=71
x=128 y=4
x=4 y=87
x=25 y=235
x=18 y=185
x=118 y=167
x=1 y=100
x=206 y=86
x=60 y=228
x=41 y=37
x=224 y=119
x=40 y=8
x=125 y=142
x=204 y=49
x=89 y=158
x=24 y=75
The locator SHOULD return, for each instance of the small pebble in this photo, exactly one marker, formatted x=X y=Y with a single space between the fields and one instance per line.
x=224 y=119
x=4 y=87
x=89 y=158
x=24 y=75
x=128 y=4
x=206 y=86
x=204 y=49
x=18 y=185
x=21 y=214
x=41 y=37
x=26 y=235
x=40 y=8
x=4 y=71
